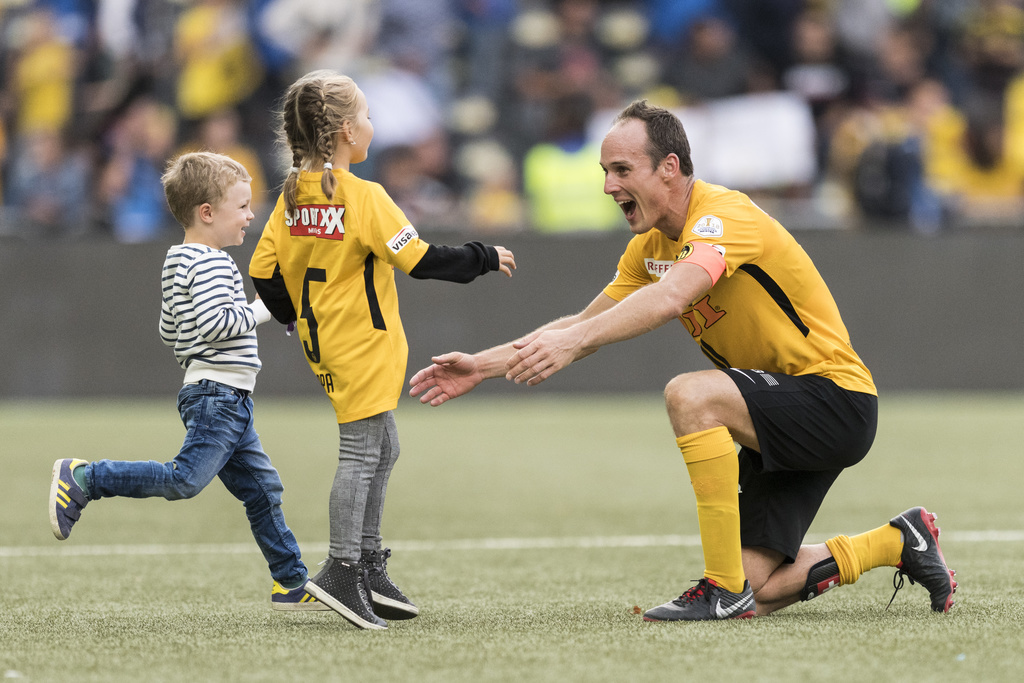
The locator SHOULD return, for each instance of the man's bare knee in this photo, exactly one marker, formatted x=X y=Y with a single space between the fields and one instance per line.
x=698 y=401
x=681 y=394
x=694 y=401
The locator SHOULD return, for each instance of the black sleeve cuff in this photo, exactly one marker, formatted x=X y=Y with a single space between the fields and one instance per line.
x=275 y=296
x=456 y=264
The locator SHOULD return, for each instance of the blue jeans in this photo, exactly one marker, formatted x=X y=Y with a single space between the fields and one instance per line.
x=220 y=441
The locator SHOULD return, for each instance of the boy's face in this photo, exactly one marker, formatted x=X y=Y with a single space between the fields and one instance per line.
x=230 y=217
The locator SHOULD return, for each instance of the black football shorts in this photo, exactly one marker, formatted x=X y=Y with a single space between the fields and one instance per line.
x=808 y=429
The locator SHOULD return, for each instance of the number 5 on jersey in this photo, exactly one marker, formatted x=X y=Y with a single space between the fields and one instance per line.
x=312 y=348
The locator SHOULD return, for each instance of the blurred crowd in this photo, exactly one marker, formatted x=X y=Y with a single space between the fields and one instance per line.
x=890 y=114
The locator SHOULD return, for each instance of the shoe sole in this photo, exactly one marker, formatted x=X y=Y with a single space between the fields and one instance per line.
x=54 y=488
x=389 y=608
x=745 y=615
x=309 y=606
x=326 y=598
x=929 y=521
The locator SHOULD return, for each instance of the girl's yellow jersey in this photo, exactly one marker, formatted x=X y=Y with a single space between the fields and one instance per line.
x=337 y=260
x=770 y=310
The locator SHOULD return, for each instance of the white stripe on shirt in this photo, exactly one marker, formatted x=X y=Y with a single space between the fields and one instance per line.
x=205 y=317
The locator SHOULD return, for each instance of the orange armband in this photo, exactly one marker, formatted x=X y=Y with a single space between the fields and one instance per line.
x=705 y=256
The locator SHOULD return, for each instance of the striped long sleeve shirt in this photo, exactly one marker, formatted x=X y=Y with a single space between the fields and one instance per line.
x=205 y=317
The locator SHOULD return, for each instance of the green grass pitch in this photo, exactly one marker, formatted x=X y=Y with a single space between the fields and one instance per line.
x=522 y=528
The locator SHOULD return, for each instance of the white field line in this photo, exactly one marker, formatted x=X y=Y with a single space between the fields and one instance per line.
x=66 y=550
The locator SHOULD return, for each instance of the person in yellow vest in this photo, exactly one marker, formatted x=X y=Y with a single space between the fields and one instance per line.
x=42 y=77
x=218 y=65
x=788 y=386
x=561 y=176
x=326 y=263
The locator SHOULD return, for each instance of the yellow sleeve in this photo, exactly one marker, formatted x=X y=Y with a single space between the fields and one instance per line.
x=632 y=273
x=392 y=238
x=265 y=259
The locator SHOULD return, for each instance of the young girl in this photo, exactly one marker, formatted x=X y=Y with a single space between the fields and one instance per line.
x=326 y=261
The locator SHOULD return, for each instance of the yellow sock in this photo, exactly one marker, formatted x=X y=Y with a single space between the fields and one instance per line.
x=714 y=470
x=879 y=547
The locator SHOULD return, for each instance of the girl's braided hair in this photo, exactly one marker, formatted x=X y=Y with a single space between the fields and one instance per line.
x=311 y=115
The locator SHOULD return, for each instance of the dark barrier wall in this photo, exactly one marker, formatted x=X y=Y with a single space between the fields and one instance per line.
x=80 y=318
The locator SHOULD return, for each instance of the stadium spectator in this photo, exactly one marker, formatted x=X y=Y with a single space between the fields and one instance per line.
x=130 y=193
x=220 y=132
x=817 y=73
x=492 y=203
x=417 y=36
x=555 y=54
x=709 y=63
x=485 y=45
x=218 y=66
x=424 y=200
x=968 y=162
x=789 y=387
x=43 y=78
x=561 y=176
x=297 y=36
x=48 y=191
x=85 y=62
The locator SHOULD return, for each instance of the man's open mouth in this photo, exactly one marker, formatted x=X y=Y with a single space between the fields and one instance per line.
x=628 y=207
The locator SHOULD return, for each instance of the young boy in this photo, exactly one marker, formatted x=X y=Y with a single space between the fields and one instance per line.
x=206 y=320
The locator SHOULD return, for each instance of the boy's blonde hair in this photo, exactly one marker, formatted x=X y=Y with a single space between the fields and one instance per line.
x=312 y=113
x=199 y=178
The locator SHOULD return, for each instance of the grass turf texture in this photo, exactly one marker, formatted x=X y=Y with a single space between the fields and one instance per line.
x=487 y=468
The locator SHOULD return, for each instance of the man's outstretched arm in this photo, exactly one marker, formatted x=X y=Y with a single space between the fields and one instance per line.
x=546 y=351
x=454 y=374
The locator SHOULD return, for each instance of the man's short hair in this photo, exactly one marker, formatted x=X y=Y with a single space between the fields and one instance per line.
x=199 y=178
x=665 y=133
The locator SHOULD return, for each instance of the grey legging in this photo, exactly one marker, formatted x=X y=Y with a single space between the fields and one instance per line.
x=366 y=455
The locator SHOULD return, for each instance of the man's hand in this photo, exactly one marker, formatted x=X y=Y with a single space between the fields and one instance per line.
x=451 y=376
x=542 y=354
x=507 y=260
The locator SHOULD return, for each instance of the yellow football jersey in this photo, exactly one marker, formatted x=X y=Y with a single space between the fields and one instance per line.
x=337 y=260
x=770 y=310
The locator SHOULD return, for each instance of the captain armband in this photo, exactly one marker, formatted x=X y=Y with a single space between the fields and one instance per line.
x=704 y=255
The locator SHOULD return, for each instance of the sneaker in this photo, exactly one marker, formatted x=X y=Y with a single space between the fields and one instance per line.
x=342 y=587
x=921 y=560
x=388 y=601
x=66 y=498
x=294 y=599
x=706 y=601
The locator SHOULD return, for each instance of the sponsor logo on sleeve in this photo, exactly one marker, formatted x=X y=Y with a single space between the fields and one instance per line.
x=685 y=253
x=657 y=268
x=317 y=220
x=404 y=237
x=688 y=250
x=709 y=226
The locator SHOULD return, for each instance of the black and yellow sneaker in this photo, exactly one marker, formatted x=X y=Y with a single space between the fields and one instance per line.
x=707 y=601
x=388 y=600
x=342 y=587
x=66 y=497
x=921 y=560
x=295 y=599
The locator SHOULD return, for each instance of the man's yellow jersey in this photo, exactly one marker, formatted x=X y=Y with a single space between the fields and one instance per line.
x=337 y=260
x=770 y=310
